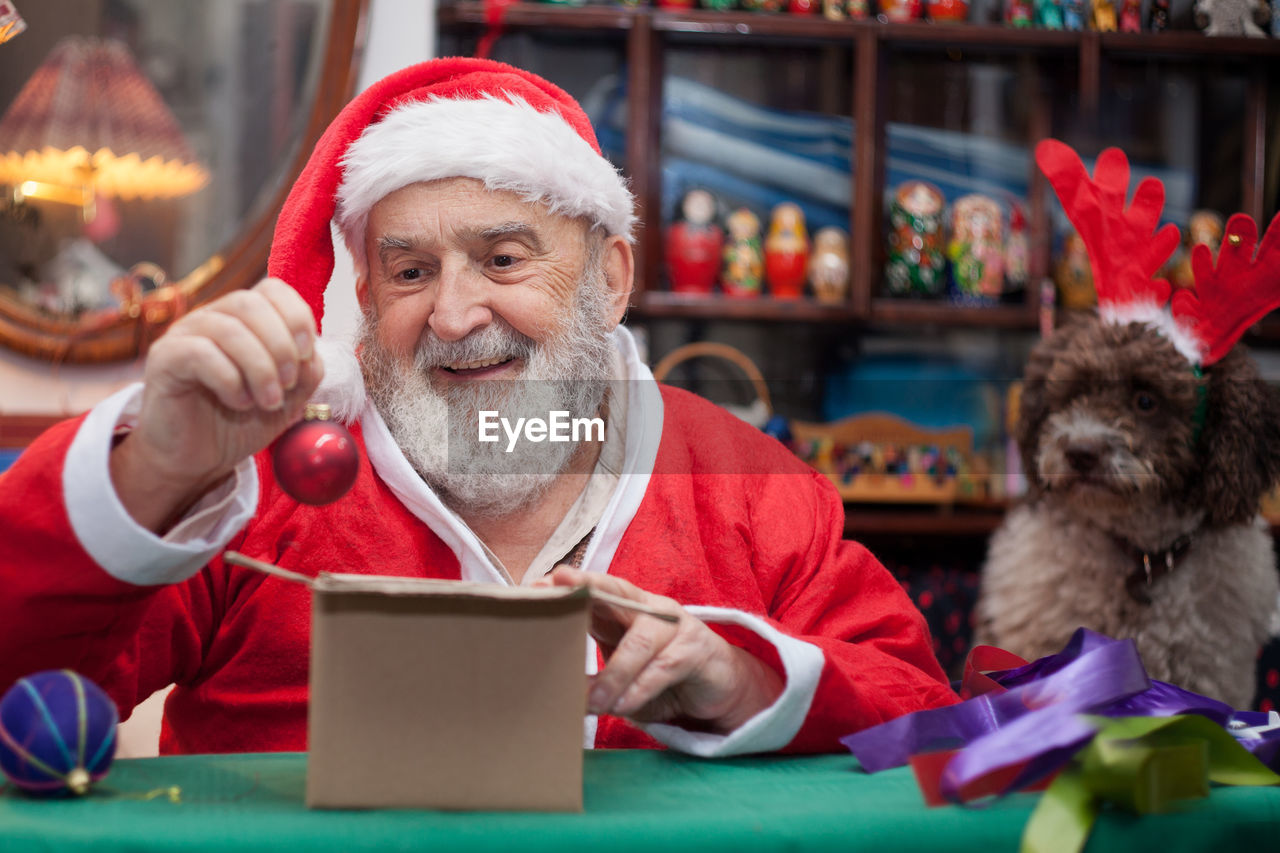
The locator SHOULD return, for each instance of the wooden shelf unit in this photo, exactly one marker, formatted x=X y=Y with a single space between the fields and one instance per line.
x=662 y=303
x=646 y=32
x=17 y=431
x=861 y=520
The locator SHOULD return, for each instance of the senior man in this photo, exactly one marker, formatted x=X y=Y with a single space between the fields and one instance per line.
x=492 y=242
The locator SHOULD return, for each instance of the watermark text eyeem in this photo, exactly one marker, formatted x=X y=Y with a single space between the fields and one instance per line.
x=557 y=426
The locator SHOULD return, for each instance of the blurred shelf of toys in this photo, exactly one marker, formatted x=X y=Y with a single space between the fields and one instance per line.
x=1213 y=17
x=798 y=169
x=773 y=193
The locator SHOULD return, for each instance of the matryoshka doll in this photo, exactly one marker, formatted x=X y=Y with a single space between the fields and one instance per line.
x=1074 y=275
x=694 y=245
x=1104 y=16
x=1048 y=14
x=902 y=10
x=829 y=265
x=1158 y=16
x=1017 y=251
x=1204 y=228
x=1131 y=16
x=948 y=11
x=977 y=249
x=786 y=252
x=743 y=257
x=917 y=263
x=1019 y=14
x=1073 y=15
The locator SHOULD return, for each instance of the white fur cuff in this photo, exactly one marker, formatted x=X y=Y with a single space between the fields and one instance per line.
x=116 y=542
x=775 y=726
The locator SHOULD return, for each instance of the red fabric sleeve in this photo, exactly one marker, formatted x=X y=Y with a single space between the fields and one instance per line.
x=733 y=519
x=833 y=593
x=59 y=609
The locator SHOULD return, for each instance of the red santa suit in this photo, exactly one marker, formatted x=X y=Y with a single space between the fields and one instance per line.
x=706 y=510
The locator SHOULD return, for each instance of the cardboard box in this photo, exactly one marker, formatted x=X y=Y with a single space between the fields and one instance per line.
x=446 y=695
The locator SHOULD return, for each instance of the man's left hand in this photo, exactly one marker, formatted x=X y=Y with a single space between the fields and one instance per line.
x=678 y=672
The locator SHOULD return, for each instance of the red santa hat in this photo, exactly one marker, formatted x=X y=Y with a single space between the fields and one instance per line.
x=445 y=118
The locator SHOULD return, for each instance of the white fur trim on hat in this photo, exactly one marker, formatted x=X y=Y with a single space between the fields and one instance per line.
x=1158 y=318
x=505 y=143
x=342 y=387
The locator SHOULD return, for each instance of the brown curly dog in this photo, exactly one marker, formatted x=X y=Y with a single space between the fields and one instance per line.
x=1141 y=515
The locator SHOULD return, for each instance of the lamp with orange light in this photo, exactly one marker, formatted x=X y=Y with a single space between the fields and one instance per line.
x=88 y=125
x=11 y=23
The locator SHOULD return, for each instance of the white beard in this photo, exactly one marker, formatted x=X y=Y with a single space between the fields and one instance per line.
x=437 y=428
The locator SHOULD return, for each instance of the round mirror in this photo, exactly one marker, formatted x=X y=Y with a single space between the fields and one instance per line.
x=146 y=147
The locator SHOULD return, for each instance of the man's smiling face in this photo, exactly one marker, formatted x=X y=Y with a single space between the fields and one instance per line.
x=468 y=287
x=449 y=258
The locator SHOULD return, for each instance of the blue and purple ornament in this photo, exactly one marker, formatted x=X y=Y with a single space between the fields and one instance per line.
x=57 y=733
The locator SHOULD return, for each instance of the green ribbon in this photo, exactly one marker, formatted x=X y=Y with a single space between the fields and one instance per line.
x=1144 y=764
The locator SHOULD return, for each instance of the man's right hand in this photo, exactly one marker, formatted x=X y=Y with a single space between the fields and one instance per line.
x=221 y=384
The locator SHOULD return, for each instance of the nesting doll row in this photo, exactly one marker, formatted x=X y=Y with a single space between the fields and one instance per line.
x=702 y=255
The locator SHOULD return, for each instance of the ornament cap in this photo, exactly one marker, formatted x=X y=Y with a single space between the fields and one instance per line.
x=78 y=781
x=317 y=412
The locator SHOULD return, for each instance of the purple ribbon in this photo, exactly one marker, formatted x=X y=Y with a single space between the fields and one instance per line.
x=1038 y=720
x=1165 y=700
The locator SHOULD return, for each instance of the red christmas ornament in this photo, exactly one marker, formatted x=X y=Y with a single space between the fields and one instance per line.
x=315 y=461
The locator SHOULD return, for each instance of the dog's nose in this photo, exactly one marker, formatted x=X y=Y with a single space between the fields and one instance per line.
x=1083 y=457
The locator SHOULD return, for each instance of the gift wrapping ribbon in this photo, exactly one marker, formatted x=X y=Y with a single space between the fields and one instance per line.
x=1144 y=764
x=1088 y=723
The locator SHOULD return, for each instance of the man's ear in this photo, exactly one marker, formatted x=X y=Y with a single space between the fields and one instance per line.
x=619 y=271
x=362 y=292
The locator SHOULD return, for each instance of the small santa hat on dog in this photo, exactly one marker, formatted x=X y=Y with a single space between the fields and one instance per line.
x=1126 y=252
x=444 y=118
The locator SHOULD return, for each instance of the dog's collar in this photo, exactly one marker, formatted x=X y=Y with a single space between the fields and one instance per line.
x=1150 y=566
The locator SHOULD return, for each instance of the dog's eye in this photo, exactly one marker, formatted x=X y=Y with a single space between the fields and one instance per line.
x=1144 y=401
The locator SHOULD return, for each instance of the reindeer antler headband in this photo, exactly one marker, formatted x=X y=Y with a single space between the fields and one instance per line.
x=1126 y=251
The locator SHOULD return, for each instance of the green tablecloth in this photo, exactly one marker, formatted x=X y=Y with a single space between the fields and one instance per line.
x=648 y=802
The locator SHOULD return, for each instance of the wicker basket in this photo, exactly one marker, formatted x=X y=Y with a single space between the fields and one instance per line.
x=756 y=412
